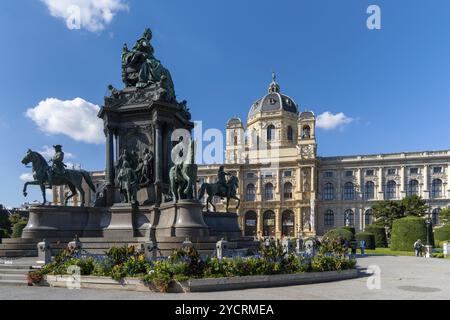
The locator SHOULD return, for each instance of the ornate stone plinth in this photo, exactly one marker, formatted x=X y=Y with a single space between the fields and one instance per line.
x=64 y=222
x=224 y=225
x=182 y=219
x=121 y=223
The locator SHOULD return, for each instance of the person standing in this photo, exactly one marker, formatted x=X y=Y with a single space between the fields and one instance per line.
x=362 y=246
x=418 y=248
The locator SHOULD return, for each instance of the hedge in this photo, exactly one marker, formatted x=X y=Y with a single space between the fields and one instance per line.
x=368 y=237
x=3 y=233
x=18 y=228
x=341 y=232
x=380 y=235
x=442 y=233
x=406 y=231
x=351 y=229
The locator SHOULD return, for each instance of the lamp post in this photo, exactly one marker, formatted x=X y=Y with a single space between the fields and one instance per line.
x=429 y=228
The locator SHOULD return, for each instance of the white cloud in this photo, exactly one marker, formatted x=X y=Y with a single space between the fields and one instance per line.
x=74 y=118
x=26 y=177
x=329 y=121
x=93 y=15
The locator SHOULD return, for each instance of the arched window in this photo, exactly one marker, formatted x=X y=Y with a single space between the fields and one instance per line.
x=268 y=191
x=269 y=224
x=270 y=132
x=413 y=188
x=328 y=192
x=250 y=194
x=391 y=190
x=368 y=217
x=329 y=218
x=436 y=188
x=435 y=216
x=369 y=190
x=288 y=223
x=306 y=132
x=290 y=134
x=287 y=190
x=250 y=224
x=349 y=218
x=349 y=191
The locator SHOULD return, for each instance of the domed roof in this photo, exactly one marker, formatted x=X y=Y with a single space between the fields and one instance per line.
x=274 y=100
x=234 y=122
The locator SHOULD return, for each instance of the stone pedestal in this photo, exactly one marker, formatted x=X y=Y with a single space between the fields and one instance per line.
x=428 y=251
x=223 y=225
x=121 y=224
x=182 y=219
x=146 y=196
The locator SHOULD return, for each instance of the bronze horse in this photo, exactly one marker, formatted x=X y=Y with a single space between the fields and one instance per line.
x=183 y=177
x=215 y=189
x=72 y=178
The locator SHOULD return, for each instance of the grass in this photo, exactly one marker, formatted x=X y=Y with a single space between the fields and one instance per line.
x=388 y=251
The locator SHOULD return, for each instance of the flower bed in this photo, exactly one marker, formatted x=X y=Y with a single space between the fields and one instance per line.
x=186 y=264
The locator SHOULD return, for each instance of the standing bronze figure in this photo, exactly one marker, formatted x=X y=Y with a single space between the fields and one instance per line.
x=183 y=177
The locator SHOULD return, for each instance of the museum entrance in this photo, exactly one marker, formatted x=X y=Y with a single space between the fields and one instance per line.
x=250 y=224
x=288 y=223
x=269 y=224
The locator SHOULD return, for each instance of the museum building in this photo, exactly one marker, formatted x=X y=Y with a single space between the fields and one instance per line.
x=287 y=190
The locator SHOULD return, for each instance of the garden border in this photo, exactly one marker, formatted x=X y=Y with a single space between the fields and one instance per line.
x=208 y=284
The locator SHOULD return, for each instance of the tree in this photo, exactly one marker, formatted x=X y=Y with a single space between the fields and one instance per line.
x=444 y=216
x=386 y=212
x=414 y=206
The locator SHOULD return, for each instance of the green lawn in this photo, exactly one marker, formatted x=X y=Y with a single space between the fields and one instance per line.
x=388 y=251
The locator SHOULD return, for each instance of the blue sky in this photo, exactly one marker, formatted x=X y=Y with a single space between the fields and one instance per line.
x=393 y=82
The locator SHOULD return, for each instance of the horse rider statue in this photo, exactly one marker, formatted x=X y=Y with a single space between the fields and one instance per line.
x=222 y=178
x=183 y=175
x=223 y=188
x=58 y=168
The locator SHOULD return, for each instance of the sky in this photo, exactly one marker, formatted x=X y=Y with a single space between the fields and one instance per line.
x=374 y=91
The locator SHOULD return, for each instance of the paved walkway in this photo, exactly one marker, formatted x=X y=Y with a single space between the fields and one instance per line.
x=401 y=278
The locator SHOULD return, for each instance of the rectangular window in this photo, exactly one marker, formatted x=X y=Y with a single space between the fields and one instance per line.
x=328 y=174
x=437 y=169
x=287 y=173
x=414 y=171
x=349 y=173
x=268 y=174
x=369 y=173
x=391 y=172
x=250 y=175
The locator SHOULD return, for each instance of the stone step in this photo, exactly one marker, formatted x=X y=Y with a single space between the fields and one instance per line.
x=14 y=282
x=18 y=253
x=15 y=271
x=14 y=277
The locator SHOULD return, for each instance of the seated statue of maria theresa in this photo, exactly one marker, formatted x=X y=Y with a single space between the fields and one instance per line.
x=141 y=69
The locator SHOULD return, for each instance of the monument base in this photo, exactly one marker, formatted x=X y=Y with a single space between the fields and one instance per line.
x=121 y=224
x=182 y=219
x=223 y=225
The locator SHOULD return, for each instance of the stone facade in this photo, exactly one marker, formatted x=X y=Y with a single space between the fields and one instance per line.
x=286 y=190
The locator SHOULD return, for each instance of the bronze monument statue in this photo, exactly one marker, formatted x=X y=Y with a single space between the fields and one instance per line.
x=59 y=176
x=223 y=189
x=127 y=182
x=183 y=176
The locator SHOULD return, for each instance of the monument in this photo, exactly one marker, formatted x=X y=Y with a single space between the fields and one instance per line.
x=151 y=191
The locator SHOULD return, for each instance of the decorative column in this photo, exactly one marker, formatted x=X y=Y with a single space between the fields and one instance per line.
x=110 y=174
x=426 y=194
x=403 y=181
x=380 y=184
x=278 y=223
x=158 y=152
x=259 y=223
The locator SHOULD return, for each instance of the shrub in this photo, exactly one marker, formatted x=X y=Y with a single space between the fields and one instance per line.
x=442 y=233
x=380 y=235
x=18 y=228
x=4 y=233
x=351 y=229
x=368 y=237
x=406 y=231
x=339 y=233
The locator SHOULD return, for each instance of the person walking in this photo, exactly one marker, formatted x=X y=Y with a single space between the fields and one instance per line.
x=418 y=248
x=362 y=246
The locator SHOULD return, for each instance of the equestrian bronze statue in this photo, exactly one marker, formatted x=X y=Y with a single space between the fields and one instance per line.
x=57 y=175
x=183 y=175
x=223 y=189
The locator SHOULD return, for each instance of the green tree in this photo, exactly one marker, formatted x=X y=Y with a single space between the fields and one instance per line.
x=414 y=206
x=444 y=216
x=386 y=212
